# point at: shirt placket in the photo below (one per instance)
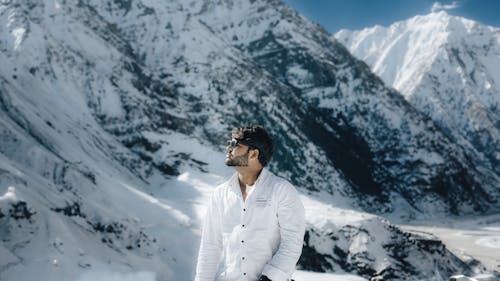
(244, 215)
(243, 234)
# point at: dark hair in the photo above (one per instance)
(256, 137)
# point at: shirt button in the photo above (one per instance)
(244, 210)
(242, 225)
(243, 258)
(244, 273)
(242, 241)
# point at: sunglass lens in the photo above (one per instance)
(233, 143)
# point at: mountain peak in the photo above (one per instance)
(445, 65)
(450, 23)
(438, 14)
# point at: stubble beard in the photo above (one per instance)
(238, 161)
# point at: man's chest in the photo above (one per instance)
(257, 212)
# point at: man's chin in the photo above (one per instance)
(232, 163)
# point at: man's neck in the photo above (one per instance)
(245, 178)
(248, 177)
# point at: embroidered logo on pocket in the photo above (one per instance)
(262, 201)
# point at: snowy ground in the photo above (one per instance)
(300, 275)
(149, 276)
(164, 207)
(477, 237)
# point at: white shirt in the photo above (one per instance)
(262, 235)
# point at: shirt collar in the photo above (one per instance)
(264, 174)
(262, 177)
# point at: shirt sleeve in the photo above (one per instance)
(211, 243)
(291, 219)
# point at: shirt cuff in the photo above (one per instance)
(274, 274)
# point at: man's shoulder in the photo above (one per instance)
(283, 190)
(280, 183)
(224, 186)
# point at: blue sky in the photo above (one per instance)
(357, 14)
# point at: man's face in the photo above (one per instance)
(236, 154)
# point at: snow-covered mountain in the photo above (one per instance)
(447, 67)
(114, 116)
(365, 138)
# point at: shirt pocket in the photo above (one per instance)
(262, 202)
(264, 215)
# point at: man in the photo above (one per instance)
(254, 225)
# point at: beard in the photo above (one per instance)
(238, 161)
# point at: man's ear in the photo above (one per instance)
(254, 154)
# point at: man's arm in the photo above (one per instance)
(291, 219)
(211, 243)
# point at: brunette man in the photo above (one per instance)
(254, 225)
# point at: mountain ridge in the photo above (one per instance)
(447, 73)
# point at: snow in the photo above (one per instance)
(429, 157)
(299, 77)
(110, 102)
(462, 278)
(177, 215)
(445, 66)
(117, 276)
(476, 236)
(301, 275)
(19, 34)
(320, 212)
(489, 242)
(10, 195)
(7, 256)
(398, 53)
(492, 65)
